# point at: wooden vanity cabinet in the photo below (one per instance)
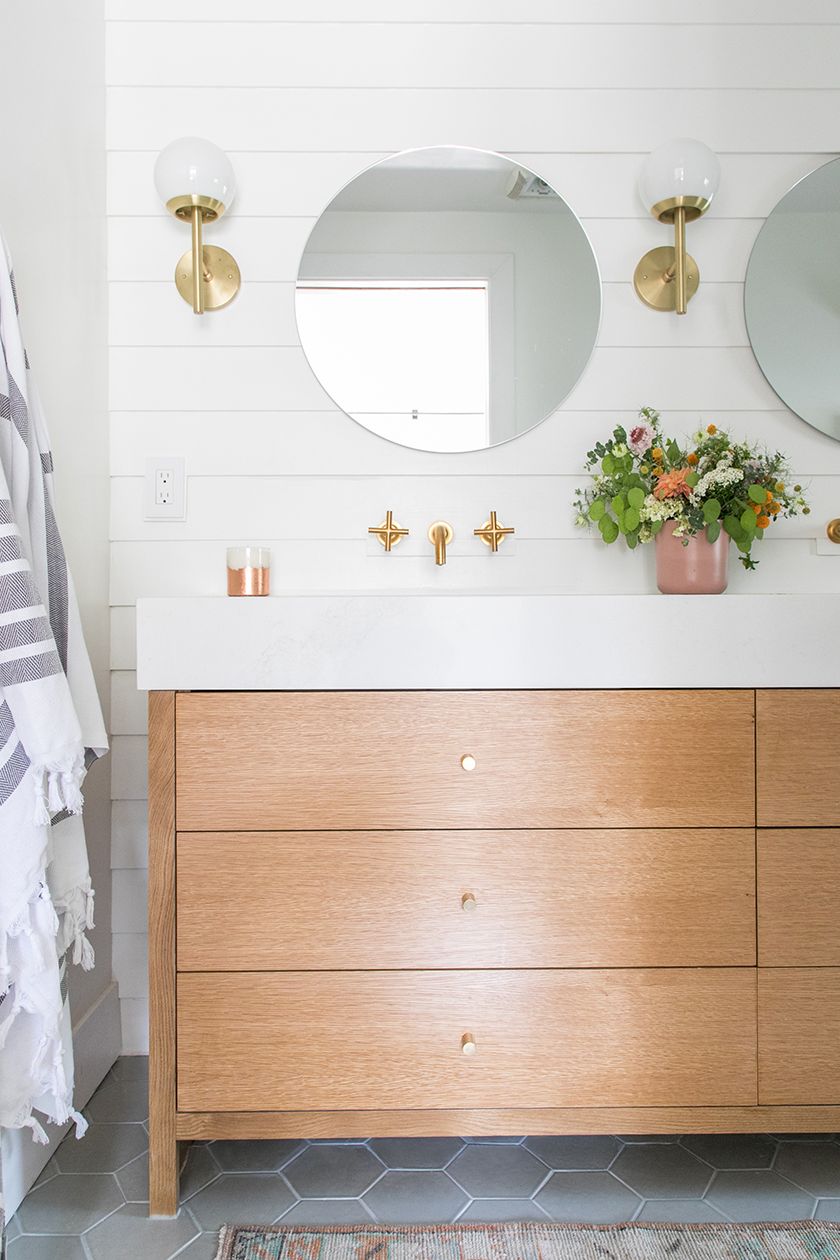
(423, 913)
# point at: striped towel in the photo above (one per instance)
(51, 728)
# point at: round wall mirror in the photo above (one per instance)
(448, 299)
(792, 299)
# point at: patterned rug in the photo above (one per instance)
(789, 1240)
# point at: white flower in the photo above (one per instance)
(654, 509)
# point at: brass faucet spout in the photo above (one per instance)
(440, 535)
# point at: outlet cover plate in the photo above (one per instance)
(176, 509)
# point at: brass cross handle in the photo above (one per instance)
(492, 533)
(832, 530)
(388, 533)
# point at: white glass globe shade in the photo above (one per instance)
(192, 166)
(680, 168)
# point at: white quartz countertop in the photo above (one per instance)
(335, 642)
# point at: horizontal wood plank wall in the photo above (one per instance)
(304, 96)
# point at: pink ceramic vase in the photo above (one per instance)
(701, 568)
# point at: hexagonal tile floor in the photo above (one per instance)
(91, 1201)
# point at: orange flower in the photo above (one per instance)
(711, 428)
(768, 496)
(656, 454)
(673, 483)
(756, 509)
(774, 508)
(763, 522)
(691, 459)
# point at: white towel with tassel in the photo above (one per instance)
(51, 728)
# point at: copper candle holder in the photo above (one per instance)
(248, 570)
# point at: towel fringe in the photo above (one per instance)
(58, 788)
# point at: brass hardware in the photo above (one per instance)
(212, 285)
(468, 902)
(388, 533)
(667, 278)
(468, 762)
(468, 1044)
(200, 175)
(492, 533)
(832, 530)
(440, 535)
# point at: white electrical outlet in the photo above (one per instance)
(165, 490)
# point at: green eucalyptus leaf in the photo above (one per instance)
(618, 505)
(674, 452)
(597, 509)
(631, 520)
(655, 527)
(632, 540)
(635, 497)
(711, 510)
(730, 524)
(608, 465)
(609, 529)
(748, 521)
(757, 493)
(691, 479)
(713, 531)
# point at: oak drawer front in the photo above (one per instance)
(353, 1040)
(798, 741)
(309, 760)
(798, 896)
(799, 1035)
(389, 899)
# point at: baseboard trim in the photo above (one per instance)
(97, 1045)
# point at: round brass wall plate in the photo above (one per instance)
(221, 277)
(652, 285)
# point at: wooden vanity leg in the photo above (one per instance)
(163, 1146)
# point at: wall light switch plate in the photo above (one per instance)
(165, 489)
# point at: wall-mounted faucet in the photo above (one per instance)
(440, 535)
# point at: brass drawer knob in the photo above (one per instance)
(468, 1044)
(468, 762)
(468, 901)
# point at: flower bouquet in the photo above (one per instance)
(694, 498)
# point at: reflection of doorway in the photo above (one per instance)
(407, 358)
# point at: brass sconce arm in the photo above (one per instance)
(492, 533)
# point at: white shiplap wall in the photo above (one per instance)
(306, 93)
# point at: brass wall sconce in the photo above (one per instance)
(832, 530)
(677, 185)
(195, 181)
(388, 533)
(492, 533)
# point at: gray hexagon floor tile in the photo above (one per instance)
(119, 1101)
(574, 1153)
(758, 1196)
(333, 1171)
(198, 1169)
(255, 1156)
(406, 1198)
(70, 1205)
(828, 1210)
(814, 1166)
(253, 1198)
(130, 1232)
(131, 1067)
(204, 1247)
(492, 1210)
(416, 1152)
(660, 1171)
(678, 1211)
(12, 1229)
(733, 1150)
(104, 1148)
(63, 1247)
(497, 1172)
(328, 1212)
(595, 1197)
(134, 1180)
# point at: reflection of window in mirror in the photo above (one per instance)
(430, 338)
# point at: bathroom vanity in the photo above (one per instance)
(511, 888)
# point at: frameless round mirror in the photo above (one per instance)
(448, 299)
(792, 299)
